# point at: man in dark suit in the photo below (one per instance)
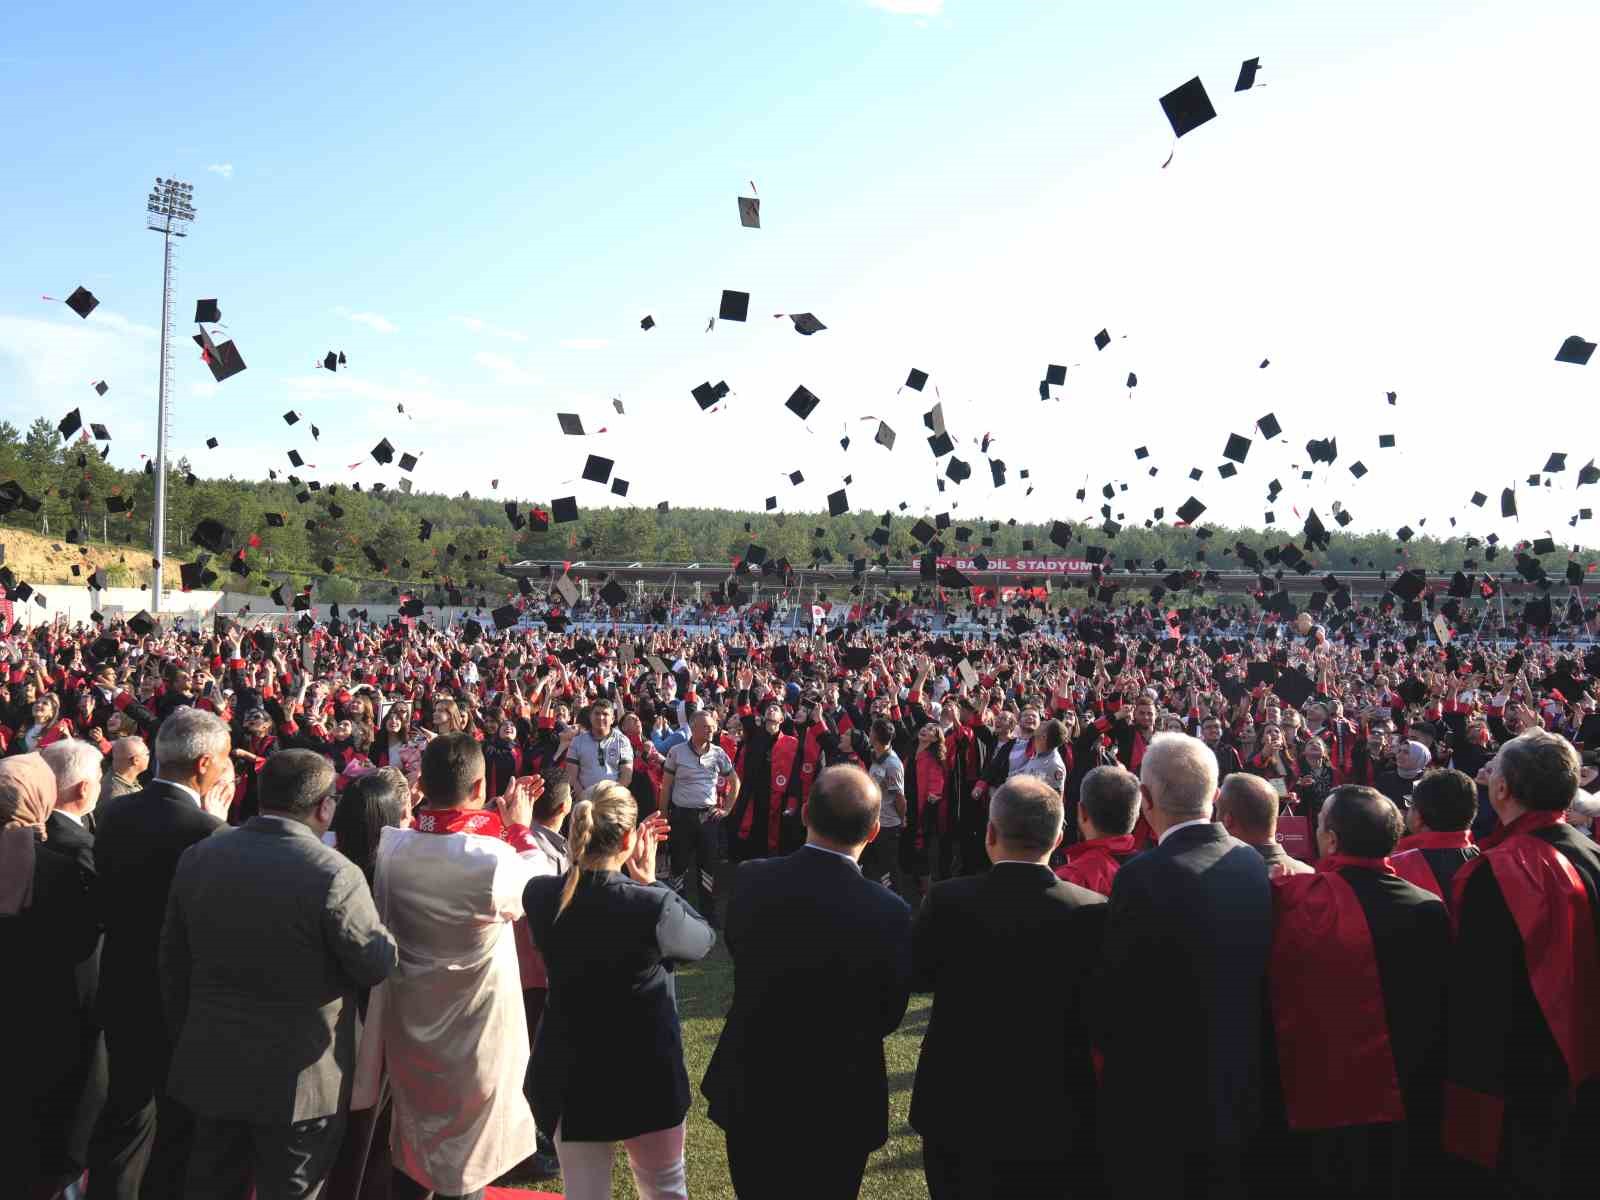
(143, 1137)
(1008, 1125)
(269, 937)
(822, 973)
(76, 767)
(1180, 1000)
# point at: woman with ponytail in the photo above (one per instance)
(611, 936)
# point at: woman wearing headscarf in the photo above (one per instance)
(48, 936)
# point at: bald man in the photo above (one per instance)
(822, 974)
(130, 758)
(1247, 807)
(1186, 943)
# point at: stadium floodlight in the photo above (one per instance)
(169, 211)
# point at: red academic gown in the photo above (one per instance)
(1522, 1093)
(1356, 981)
(1430, 860)
(1093, 864)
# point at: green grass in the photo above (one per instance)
(705, 992)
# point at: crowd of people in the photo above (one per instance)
(1205, 908)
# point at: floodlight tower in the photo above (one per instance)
(169, 211)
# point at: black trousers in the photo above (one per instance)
(1138, 1173)
(142, 1141)
(880, 862)
(695, 848)
(764, 1167)
(285, 1162)
(953, 1172)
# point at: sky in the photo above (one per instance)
(479, 204)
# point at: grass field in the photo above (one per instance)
(705, 991)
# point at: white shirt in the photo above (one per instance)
(1182, 825)
(71, 816)
(187, 791)
(836, 853)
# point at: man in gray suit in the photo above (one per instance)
(269, 937)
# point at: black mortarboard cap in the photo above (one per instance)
(1269, 427)
(885, 437)
(1556, 462)
(1190, 511)
(383, 452)
(796, 478)
(1227, 470)
(1187, 107)
(806, 323)
(564, 509)
(1293, 685)
(613, 593)
(1544, 545)
(750, 212)
(1479, 499)
(1247, 78)
(648, 323)
(211, 535)
(1385, 441)
(597, 469)
(141, 624)
(1237, 449)
(295, 460)
(1409, 584)
(916, 379)
(223, 358)
(1102, 340)
(1323, 450)
(705, 395)
(70, 424)
(951, 578)
(571, 424)
(1508, 502)
(1405, 533)
(619, 486)
(1574, 350)
(291, 417)
(735, 306)
(506, 616)
(838, 503)
(83, 303)
(101, 387)
(957, 469)
(940, 444)
(1055, 374)
(206, 312)
(997, 471)
(1358, 469)
(1060, 533)
(801, 403)
(408, 462)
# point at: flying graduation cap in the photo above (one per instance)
(223, 359)
(735, 306)
(1574, 350)
(83, 303)
(1187, 107)
(206, 312)
(1247, 74)
(750, 212)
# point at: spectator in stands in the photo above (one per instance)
(130, 759)
(48, 933)
(609, 943)
(144, 1137)
(1247, 807)
(979, 943)
(822, 975)
(261, 988)
(1108, 807)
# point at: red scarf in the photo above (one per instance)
(1450, 839)
(482, 821)
(1335, 861)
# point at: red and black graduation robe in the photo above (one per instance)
(1522, 1095)
(1430, 860)
(769, 785)
(1356, 982)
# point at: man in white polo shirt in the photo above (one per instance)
(689, 781)
(600, 752)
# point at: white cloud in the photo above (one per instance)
(204, 389)
(223, 169)
(505, 369)
(584, 343)
(487, 329)
(909, 8)
(374, 321)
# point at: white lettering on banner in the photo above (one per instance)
(1042, 566)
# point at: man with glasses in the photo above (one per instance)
(600, 752)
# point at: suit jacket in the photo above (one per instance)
(138, 840)
(612, 1012)
(269, 937)
(822, 974)
(70, 838)
(979, 943)
(1179, 1002)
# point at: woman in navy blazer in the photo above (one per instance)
(610, 942)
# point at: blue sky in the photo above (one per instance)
(478, 206)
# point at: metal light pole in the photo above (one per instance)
(169, 212)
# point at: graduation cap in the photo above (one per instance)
(1187, 107)
(211, 535)
(1323, 450)
(1556, 462)
(750, 212)
(735, 306)
(1479, 499)
(1358, 469)
(564, 509)
(916, 379)
(647, 323)
(1102, 340)
(1544, 545)
(613, 593)
(407, 462)
(1385, 441)
(505, 617)
(957, 470)
(141, 624)
(295, 460)
(1190, 511)
(705, 395)
(101, 387)
(951, 578)
(838, 503)
(1269, 427)
(1060, 533)
(1294, 686)
(206, 312)
(1237, 449)
(619, 486)
(885, 437)
(1227, 470)
(797, 478)
(597, 469)
(941, 444)
(223, 358)
(1408, 585)
(211, 443)
(330, 361)
(1196, 473)
(1247, 80)
(83, 303)
(806, 323)
(997, 471)
(801, 403)
(572, 424)
(1508, 502)
(70, 424)
(1574, 350)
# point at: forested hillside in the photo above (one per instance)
(359, 544)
